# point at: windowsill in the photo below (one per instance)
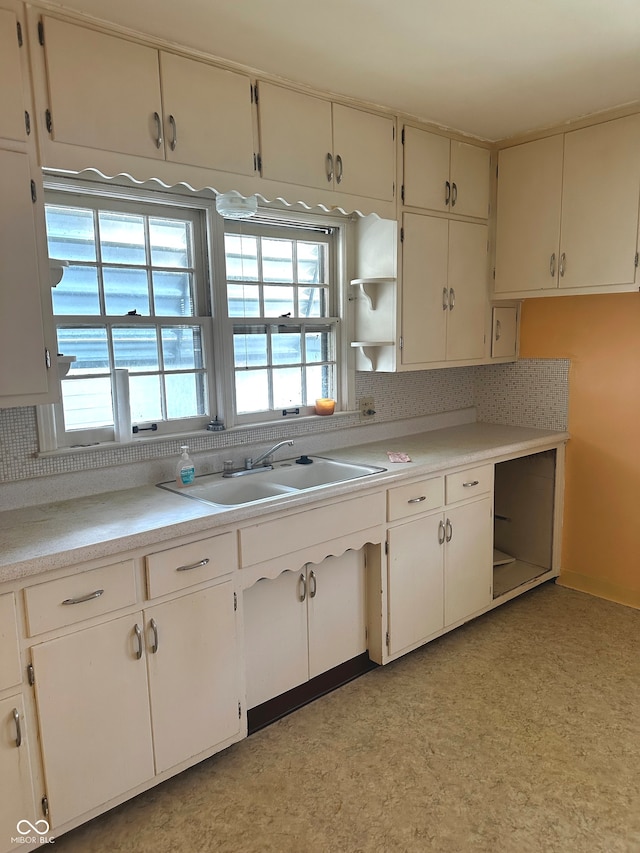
(183, 437)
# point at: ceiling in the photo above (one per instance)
(489, 68)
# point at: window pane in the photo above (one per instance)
(319, 383)
(185, 395)
(286, 348)
(287, 387)
(317, 344)
(70, 233)
(182, 347)
(277, 260)
(252, 391)
(87, 402)
(136, 348)
(243, 300)
(122, 238)
(125, 290)
(172, 294)
(78, 292)
(278, 301)
(250, 349)
(145, 397)
(241, 256)
(171, 241)
(88, 344)
(311, 263)
(312, 302)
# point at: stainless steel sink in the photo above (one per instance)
(284, 479)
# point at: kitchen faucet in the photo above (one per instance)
(252, 466)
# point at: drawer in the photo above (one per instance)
(56, 604)
(415, 498)
(186, 565)
(10, 670)
(469, 483)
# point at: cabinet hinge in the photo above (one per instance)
(636, 260)
(494, 273)
(47, 358)
(402, 235)
(19, 29)
(31, 675)
(41, 33)
(388, 641)
(45, 805)
(366, 632)
(403, 135)
(34, 192)
(259, 163)
(251, 92)
(386, 547)
(48, 121)
(235, 601)
(27, 123)
(401, 342)
(402, 193)
(393, 190)
(496, 170)
(393, 132)
(255, 93)
(239, 711)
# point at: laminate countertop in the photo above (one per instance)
(55, 535)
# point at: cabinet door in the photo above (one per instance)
(364, 153)
(295, 137)
(207, 115)
(103, 90)
(426, 169)
(467, 290)
(424, 288)
(528, 216)
(600, 204)
(93, 706)
(12, 117)
(504, 333)
(275, 635)
(10, 670)
(469, 179)
(416, 585)
(16, 802)
(193, 673)
(337, 611)
(468, 560)
(23, 370)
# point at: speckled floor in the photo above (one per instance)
(518, 733)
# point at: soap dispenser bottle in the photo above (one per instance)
(185, 469)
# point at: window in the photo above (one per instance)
(282, 313)
(135, 306)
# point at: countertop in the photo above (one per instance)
(56, 535)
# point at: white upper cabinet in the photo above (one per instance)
(207, 115)
(445, 175)
(104, 91)
(309, 141)
(12, 114)
(568, 212)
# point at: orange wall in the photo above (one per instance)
(601, 336)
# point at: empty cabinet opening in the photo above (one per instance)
(523, 520)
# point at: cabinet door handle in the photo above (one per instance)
(441, 532)
(303, 586)
(16, 720)
(158, 122)
(417, 500)
(174, 133)
(313, 584)
(88, 597)
(154, 629)
(138, 633)
(470, 483)
(445, 298)
(552, 265)
(563, 259)
(447, 192)
(191, 566)
(448, 531)
(454, 194)
(329, 166)
(339, 169)
(452, 299)
(498, 330)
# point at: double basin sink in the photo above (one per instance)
(285, 478)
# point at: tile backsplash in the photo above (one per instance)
(530, 392)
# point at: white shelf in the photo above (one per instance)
(514, 574)
(373, 344)
(368, 287)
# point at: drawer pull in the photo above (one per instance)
(417, 500)
(16, 720)
(154, 628)
(470, 483)
(198, 565)
(89, 597)
(138, 633)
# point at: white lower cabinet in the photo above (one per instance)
(303, 623)
(468, 560)
(17, 801)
